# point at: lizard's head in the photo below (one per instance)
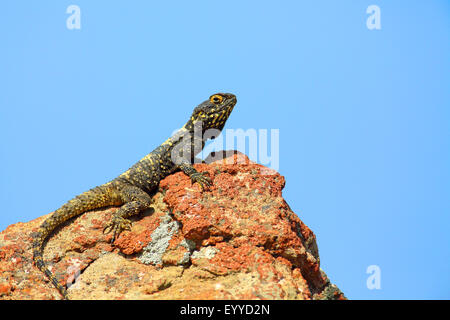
(214, 112)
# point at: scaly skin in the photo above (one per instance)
(132, 190)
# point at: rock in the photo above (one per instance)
(240, 240)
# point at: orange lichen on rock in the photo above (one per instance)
(238, 240)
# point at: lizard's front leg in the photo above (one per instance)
(199, 177)
(136, 201)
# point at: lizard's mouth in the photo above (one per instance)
(230, 104)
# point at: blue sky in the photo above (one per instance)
(363, 115)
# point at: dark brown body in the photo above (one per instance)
(133, 189)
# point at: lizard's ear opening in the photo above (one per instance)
(198, 114)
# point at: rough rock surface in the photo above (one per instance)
(240, 240)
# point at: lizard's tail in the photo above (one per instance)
(95, 198)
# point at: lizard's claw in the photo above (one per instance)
(203, 180)
(117, 225)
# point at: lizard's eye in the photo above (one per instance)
(216, 99)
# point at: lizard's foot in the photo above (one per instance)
(203, 180)
(117, 225)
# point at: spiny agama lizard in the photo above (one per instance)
(132, 190)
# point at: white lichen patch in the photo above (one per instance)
(153, 252)
(205, 253)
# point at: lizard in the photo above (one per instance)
(132, 190)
